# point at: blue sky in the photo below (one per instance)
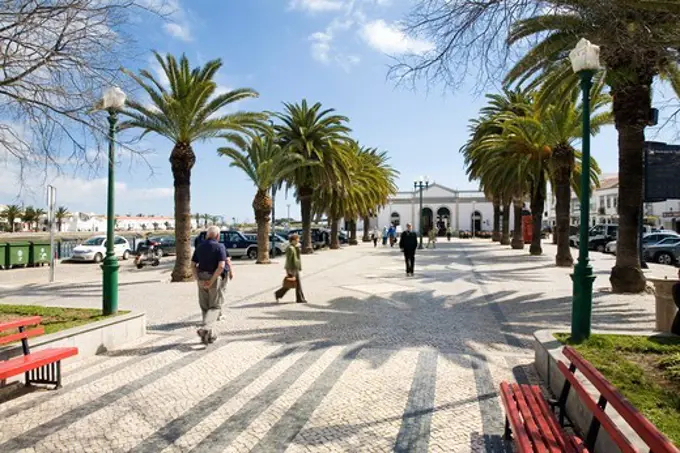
(331, 51)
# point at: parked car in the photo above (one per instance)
(666, 251)
(610, 247)
(94, 249)
(237, 244)
(656, 237)
(600, 235)
(165, 245)
(280, 243)
(318, 239)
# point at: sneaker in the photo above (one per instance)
(211, 338)
(202, 333)
(220, 317)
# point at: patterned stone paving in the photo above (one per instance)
(375, 362)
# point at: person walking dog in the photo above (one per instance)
(293, 268)
(209, 266)
(408, 244)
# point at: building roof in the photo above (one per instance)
(610, 182)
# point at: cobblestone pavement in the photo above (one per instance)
(375, 362)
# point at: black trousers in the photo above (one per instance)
(410, 258)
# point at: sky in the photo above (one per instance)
(336, 52)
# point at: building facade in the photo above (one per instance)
(443, 207)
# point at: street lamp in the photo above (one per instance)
(112, 101)
(585, 61)
(420, 184)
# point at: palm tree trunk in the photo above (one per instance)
(352, 224)
(631, 106)
(564, 162)
(537, 207)
(505, 235)
(367, 236)
(305, 195)
(335, 241)
(182, 160)
(517, 238)
(262, 206)
(496, 235)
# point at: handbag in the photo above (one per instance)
(289, 282)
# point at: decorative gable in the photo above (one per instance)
(438, 191)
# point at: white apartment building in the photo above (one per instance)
(80, 221)
(604, 203)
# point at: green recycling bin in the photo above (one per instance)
(17, 253)
(3, 255)
(40, 253)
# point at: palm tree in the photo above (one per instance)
(318, 136)
(28, 216)
(185, 111)
(60, 215)
(639, 43)
(266, 165)
(198, 220)
(206, 218)
(11, 213)
(39, 212)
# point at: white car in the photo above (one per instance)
(94, 249)
(610, 247)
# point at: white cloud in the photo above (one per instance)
(317, 5)
(321, 46)
(389, 39)
(178, 31)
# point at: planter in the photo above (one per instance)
(665, 307)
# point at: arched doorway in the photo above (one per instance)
(395, 219)
(443, 220)
(476, 221)
(427, 220)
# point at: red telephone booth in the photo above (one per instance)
(527, 228)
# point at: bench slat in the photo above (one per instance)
(616, 435)
(21, 364)
(655, 440)
(541, 417)
(529, 422)
(564, 441)
(21, 335)
(512, 412)
(20, 322)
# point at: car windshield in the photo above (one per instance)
(94, 241)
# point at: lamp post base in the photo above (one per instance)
(110, 285)
(582, 304)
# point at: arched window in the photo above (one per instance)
(395, 219)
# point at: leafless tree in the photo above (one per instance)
(56, 57)
(468, 37)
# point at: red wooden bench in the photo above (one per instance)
(534, 426)
(42, 367)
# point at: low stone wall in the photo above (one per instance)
(547, 352)
(90, 339)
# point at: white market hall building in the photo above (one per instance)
(465, 210)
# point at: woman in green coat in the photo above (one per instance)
(293, 268)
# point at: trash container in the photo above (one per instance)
(17, 253)
(3, 255)
(40, 253)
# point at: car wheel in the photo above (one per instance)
(126, 255)
(252, 253)
(600, 248)
(664, 258)
(98, 258)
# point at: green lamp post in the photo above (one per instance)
(420, 184)
(113, 101)
(585, 61)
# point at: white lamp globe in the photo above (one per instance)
(114, 98)
(585, 56)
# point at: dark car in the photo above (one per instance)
(165, 245)
(318, 238)
(237, 244)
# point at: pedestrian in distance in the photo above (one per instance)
(293, 268)
(431, 238)
(392, 233)
(375, 235)
(384, 236)
(408, 245)
(209, 266)
(449, 233)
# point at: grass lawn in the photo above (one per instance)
(646, 370)
(54, 319)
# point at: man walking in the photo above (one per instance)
(408, 244)
(210, 270)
